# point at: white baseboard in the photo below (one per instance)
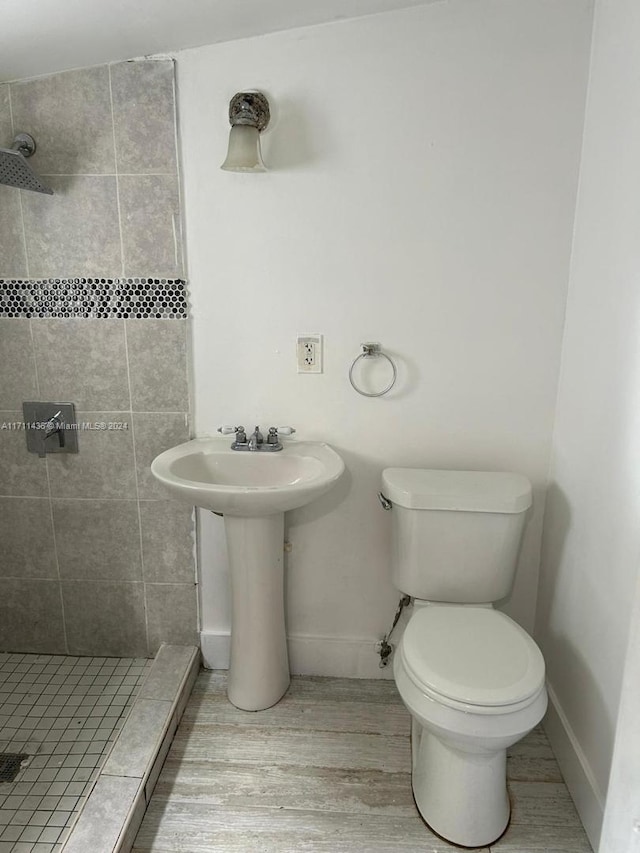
(215, 648)
(575, 768)
(345, 657)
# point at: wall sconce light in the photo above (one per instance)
(248, 117)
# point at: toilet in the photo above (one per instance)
(471, 678)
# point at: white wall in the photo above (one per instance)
(621, 828)
(592, 531)
(424, 170)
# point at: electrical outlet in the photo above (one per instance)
(309, 353)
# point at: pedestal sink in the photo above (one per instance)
(252, 490)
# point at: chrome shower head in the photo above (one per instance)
(14, 169)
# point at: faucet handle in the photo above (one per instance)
(54, 426)
(273, 438)
(230, 430)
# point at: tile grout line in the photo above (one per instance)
(118, 581)
(57, 559)
(35, 360)
(50, 501)
(135, 472)
(24, 230)
(117, 176)
(67, 498)
(106, 174)
(179, 237)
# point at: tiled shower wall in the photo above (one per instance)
(93, 559)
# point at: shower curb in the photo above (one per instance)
(112, 815)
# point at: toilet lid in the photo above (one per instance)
(472, 655)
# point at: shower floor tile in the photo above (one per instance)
(64, 713)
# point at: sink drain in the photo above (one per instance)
(10, 764)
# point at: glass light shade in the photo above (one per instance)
(244, 150)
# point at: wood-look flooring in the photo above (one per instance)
(327, 770)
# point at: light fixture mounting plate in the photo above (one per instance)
(250, 108)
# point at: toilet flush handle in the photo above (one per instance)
(386, 503)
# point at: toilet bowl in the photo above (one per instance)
(473, 682)
(472, 679)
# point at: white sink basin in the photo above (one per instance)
(205, 472)
(253, 490)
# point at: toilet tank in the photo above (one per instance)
(455, 534)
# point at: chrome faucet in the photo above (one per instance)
(255, 440)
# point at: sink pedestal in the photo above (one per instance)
(259, 668)
(252, 490)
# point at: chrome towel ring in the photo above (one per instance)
(372, 351)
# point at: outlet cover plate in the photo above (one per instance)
(309, 353)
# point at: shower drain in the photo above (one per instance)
(10, 765)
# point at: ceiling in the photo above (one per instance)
(45, 36)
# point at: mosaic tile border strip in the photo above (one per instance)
(97, 298)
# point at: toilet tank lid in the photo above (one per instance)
(466, 491)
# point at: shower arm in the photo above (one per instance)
(24, 144)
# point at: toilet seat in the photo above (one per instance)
(471, 658)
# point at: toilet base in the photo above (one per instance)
(462, 795)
